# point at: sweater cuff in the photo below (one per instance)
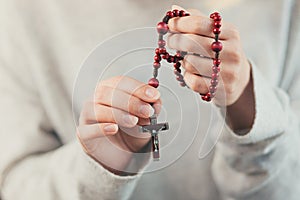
(270, 119)
(95, 179)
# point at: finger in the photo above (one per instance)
(201, 25)
(197, 65)
(104, 114)
(157, 106)
(92, 131)
(197, 83)
(124, 101)
(191, 43)
(201, 45)
(133, 87)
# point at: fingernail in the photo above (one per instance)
(146, 110)
(152, 93)
(111, 128)
(130, 120)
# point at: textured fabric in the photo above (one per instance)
(42, 45)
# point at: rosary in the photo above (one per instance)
(161, 53)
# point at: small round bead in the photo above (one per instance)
(177, 72)
(162, 28)
(214, 14)
(178, 56)
(217, 24)
(214, 76)
(176, 13)
(217, 18)
(157, 58)
(162, 50)
(217, 62)
(170, 14)
(177, 65)
(176, 59)
(206, 97)
(165, 56)
(179, 78)
(170, 59)
(161, 43)
(157, 51)
(215, 69)
(153, 82)
(214, 82)
(212, 89)
(216, 46)
(182, 84)
(181, 13)
(216, 30)
(156, 65)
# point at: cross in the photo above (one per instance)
(154, 129)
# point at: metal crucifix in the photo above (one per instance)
(154, 128)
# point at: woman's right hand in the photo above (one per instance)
(108, 125)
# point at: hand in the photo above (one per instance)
(108, 128)
(194, 34)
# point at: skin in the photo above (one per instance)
(109, 121)
(108, 125)
(235, 90)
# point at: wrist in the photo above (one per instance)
(240, 115)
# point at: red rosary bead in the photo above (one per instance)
(217, 24)
(217, 62)
(215, 69)
(165, 56)
(157, 58)
(170, 14)
(214, 82)
(216, 31)
(176, 13)
(153, 82)
(177, 65)
(217, 18)
(161, 43)
(157, 51)
(216, 46)
(214, 76)
(181, 13)
(156, 65)
(214, 14)
(162, 50)
(162, 28)
(206, 97)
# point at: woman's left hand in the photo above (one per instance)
(194, 34)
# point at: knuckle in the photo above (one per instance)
(230, 88)
(232, 75)
(83, 118)
(235, 56)
(235, 34)
(101, 92)
(195, 85)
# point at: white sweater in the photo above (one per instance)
(42, 46)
